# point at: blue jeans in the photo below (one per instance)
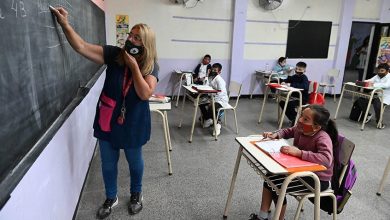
(110, 156)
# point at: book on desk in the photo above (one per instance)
(204, 88)
(159, 98)
(291, 163)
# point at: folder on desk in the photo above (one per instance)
(291, 163)
(204, 88)
(274, 85)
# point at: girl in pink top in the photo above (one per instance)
(314, 138)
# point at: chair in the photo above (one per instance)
(345, 153)
(314, 96)
(187, 78)
(330, 80)
(234, 88)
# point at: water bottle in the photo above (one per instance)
(266, 67)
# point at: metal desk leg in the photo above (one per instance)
(182, 109)
(166, 141)
(214, 118)
(384, 177)
(367, 110)
(284, 109)
(264, 101)
(232, 182)
(194, 119)
(299, 108)
(283, 189)
(168, 132)
(178, 92)
(338, 105)
(381, 116)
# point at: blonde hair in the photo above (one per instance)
(149, 56)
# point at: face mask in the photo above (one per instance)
(305, 127)
(133, 49)
(213, 73)
(298, 73)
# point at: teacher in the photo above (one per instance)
(122, 119)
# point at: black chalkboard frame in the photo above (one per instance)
(28, 58)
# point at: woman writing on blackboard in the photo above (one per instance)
(122, 118)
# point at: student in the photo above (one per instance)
(298, 80)
(122, 118)
(314, 138)
(381, 80)
(218, 83)
(282, 68)
(202, 70)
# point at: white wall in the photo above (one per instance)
(368, 10)
(51, 187)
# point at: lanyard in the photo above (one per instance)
(125, 89)
(126, 83)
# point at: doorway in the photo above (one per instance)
(358, 51)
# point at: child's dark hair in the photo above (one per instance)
(207, 56)
(281, 59)
(321, 117)
(383, 66)
(217, 65)
(301, 64)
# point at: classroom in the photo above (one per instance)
(193, 161)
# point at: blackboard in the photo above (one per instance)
(308, 39)
(40, 74)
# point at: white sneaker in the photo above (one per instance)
(217, 129)
(207, 123)
(368, 119)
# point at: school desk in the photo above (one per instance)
(190, 93)
(161, 109)
(365, 92)
(263, 165)
(283, 93)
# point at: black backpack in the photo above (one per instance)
(358, 109)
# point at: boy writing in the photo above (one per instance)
(381, 80)
(298, 80)
(221, 98)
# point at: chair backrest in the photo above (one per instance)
(332, 75)
(235, 89)
(344, 154)
(313, 86)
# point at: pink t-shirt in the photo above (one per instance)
(317, 149)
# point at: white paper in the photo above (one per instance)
(272, 146)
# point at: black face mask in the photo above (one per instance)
(213, 74)
(299, 73)
(133, 49)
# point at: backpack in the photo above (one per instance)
(341, 191)
(358, 109)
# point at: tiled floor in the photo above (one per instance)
(202, 170)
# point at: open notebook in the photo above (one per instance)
(291, 163)
(204, 88)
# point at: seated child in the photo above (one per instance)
(381, 80)
(202, 70)
(298, 80)
(314, 138)
(282, 68)
(218, 83)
